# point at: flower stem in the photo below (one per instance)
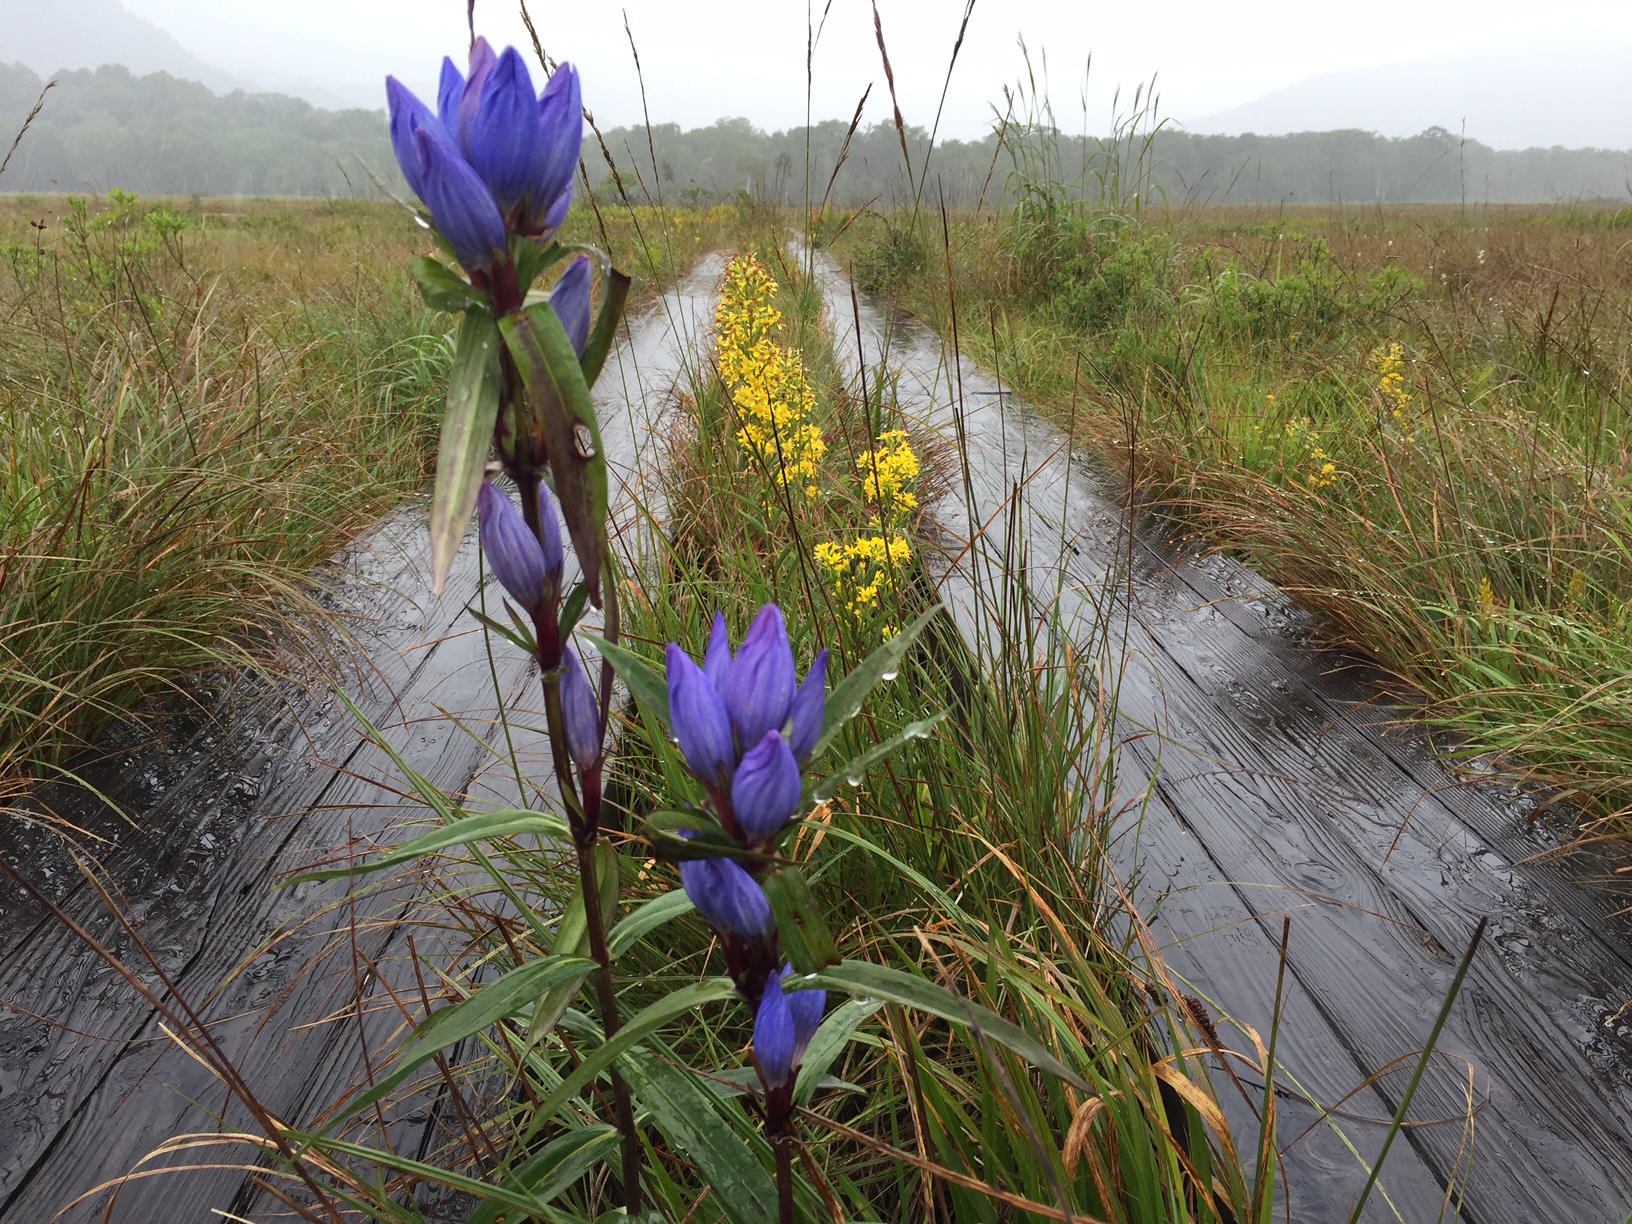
(783, 1145)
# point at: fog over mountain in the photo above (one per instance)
(1512, 95)
(53, 35)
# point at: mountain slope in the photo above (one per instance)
(66, 34)
(1537, 94)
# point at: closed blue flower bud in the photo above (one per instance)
(582, 712)
(699, 718)
(728, 897)
(503, 143)
(807, 1007)
(513, 552)
(556, 215)
(717, 659)
(460, 202)
(760, 687)
(450, 90)
(808, 710)
(561, 137)
(549, 522)
(570, 300)
(482, 62)
(765, 791)
(408, 115)
(775, 1037)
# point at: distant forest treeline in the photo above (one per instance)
(160, 136)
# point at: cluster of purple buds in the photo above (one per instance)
(494, 158)
(747, 727)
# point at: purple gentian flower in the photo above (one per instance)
(808, 711)
(570, 300)
(581, 711)
(783, 1027)
(700, 721)
(728, 897)
(765, 791)
(561, 125)
(503, 139)
(460, 202)
(758, 689)
(512, 550)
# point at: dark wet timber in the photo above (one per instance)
(1273, 783)
(220, 819)
(1279, 784)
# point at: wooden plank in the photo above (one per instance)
(86, 1108)
(1285, 798)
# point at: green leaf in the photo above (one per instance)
(443, 288)
(467, 435)
(572, 609)
(450, 1025)
(554, 1169)
(647, 684)
(687, 1114)
(527, 645)
(559, 399)
(805, 937)
(614, 295)
(535, 1209)
(744, 1081)
(865, 980)
(831, 1037)
(857, 769)
(707, 840)
(642, 1024)
(643, 921)
(571, 939)
(488, 826)
(844, 702)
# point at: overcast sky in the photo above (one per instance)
(712, 58)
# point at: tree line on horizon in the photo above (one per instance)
(158, 135)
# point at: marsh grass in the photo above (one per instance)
(200, 401)
(1471, 536)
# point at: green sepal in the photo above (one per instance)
(614, 296)
(517, 634)
(572, 609)
(864, 980)
(832, 1036)
(647, 684)
(857, 769)
(805, 937)
(467, 435)
(844, 702)
(559, 399)
(531, 258)
(443, 288)
(708, 840)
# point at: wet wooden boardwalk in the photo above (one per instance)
(1278, 785)
(1274, 785)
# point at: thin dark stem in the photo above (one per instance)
(784, 1178)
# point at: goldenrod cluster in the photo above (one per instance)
(767, 382)
(1486, 599)
(1390, 366)
(1323, 472)
(889, 477)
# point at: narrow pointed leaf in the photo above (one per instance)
(559, 398)
(857, 769)
(646, 919)
(865, 980)
(467, 434)
(805, 937)
(828, 1044)
(645, 1022)
(614, 295)
(486, 827)
(845, 700)
(492, 1003)
(644, 681)
(443, 288)
(528, 645)
(687, 1115)
(572, 609)
(561, 1163)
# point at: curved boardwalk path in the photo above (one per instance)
(1261, 781)
(219, 820)
(1276, 786)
